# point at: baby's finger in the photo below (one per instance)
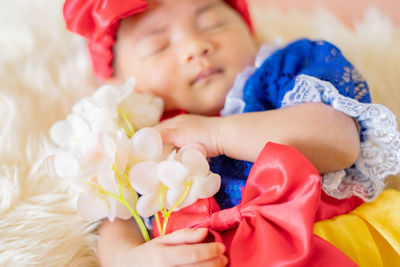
(215, 262)
(194, 253)
(183, 236)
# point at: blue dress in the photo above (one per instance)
(313, 71)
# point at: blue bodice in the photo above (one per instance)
(266, 88)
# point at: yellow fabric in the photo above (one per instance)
(370, 234)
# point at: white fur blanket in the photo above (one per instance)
(44, 70)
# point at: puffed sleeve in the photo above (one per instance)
(316, 71)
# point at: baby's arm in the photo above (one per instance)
(327, 137)
(121, 244)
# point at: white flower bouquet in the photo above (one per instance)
(109, 153)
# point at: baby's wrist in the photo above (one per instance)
(219, 130)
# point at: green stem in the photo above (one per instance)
(188, 185)
(164, 228)
(120, 186)
(102, 190)
(158, 223)
(161, 199)
(168, 213)
(138, 220)
(134, 213)
(130, 131)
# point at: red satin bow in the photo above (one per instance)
(273, 224)
(98, 20)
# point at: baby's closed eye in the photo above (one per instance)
(155, 45)
(211, 19)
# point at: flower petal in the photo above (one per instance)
(62, 133)
(80, 127)
(91, 207)
(195, 162)
(206, 187)
(121, 159)
(147, 144)
(87, 109)
(189, 200)
(123, 141)
(143, 177)
(102, 122)
(127, 89)
(106, 178)
(174, 195)
(89, 144)
(172, 173)
(79, 185)
(66, 165)
(107, 145)
(147, 205)
(144, 110)
(120, 210)
(107, 98)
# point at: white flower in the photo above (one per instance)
(105, 100)
(69, 133)
(147, 151)
(94, 205)
(93, 170)
(170, 179)
(189, 167)
(104, 112)
(143, 110)
(101, 110)
(147, 145)
(144, 179)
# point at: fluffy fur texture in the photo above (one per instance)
(44, 70)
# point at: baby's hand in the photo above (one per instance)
(188, 129)
(180, 248)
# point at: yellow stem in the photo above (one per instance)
(102, 190)
(161, 197)
(168, 213)
(158, 223)
(122, 200)
(188, 185)
(164, 228)
(130, 131)
(138, 220)
(120, 186)
(125, 182)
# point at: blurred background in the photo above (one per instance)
(346, 10)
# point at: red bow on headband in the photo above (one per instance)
(98, 20)
(273, 224)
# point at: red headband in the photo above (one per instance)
(97, 21)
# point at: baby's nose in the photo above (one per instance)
(197, 49)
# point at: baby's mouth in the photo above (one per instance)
(206, 74)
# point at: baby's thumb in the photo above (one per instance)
(184, 236)
(169, 135)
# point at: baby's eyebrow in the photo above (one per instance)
(198, 12)
(205, 8)
(155, 31)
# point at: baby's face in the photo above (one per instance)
(186, 51)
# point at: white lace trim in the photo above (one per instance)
(234, 103)
(380, 146)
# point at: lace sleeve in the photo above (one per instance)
(380, 140)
